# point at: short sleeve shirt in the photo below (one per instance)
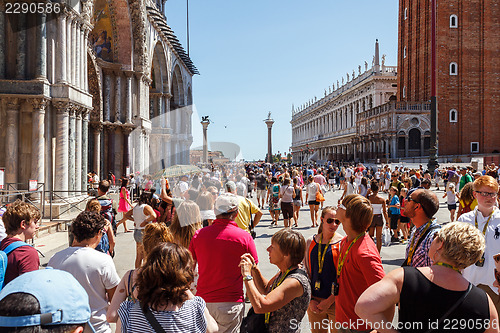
(22, 260)
(218, 249)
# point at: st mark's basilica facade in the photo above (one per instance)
(91, 85)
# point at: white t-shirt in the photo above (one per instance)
(484, 275)
(96, 272)
(348, 173)
(286, 192)
(312, 188)
(3, 234)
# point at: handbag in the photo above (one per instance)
(386, 237)
(319, 196)
(254, 323)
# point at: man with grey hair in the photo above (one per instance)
(217, 249)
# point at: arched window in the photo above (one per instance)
(453, 116)
(414, 138)
(404, 92)
(404, 52)
(453, 21)
(453, 68)
(406, 13)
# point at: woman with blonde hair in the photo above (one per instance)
(426, 294)
(205, 202)
(186, 221)
(154, 234)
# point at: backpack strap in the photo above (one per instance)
(12, 246)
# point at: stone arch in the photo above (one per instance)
(123, 29)
(177, 89)
(95, 87)
(159, 73)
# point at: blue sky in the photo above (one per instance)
(260, 56)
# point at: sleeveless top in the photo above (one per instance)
(139, 216)
(123, 205)
(423, 301)
(279, 321)
(377, 209)
(329, 274)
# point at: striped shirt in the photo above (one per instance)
(189, 318)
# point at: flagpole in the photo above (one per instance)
(187, 25)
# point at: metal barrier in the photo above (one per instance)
(11, 194)
(73, 201)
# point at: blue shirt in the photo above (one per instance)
(421, 255)
(394, 210)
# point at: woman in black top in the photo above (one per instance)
(427, 294)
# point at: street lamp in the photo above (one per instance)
(433, 163)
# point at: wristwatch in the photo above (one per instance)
(247, 278)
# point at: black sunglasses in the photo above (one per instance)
(330, 221)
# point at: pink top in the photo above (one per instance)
(123, 205)
(218, 249)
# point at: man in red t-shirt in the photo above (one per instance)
(21, 223)
(218, 249)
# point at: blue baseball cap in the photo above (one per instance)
(63, 301)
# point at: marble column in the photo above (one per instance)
(107, 97)
(2, 42)
(38, 143)
(21, 47)
(118, 97)
(74, 56)
(85, 148)
(61, 176)
(126, 148)
(83, 52)
(407, 143)
(422, 145)
(12, 141)
(85, 62)
(61, 49)
(128, 98)
(41, 46)
(78, 152)
(69, 49)
(77, 55)
(159, 113)
(110, 132)
(394, 148)
(96, 159)
(72, 147)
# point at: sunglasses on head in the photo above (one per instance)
(330, 221)
(497, 276)
(496, 257)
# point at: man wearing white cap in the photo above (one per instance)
(218, 249)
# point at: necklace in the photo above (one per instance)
(439, 263)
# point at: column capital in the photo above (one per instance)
(97, 126)
(128, 74)
(167, 95)
(61, 106)
(13, 104)
(39, 104)
(126, 129)
(145, 78)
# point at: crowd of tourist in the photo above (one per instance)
(196, 260)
